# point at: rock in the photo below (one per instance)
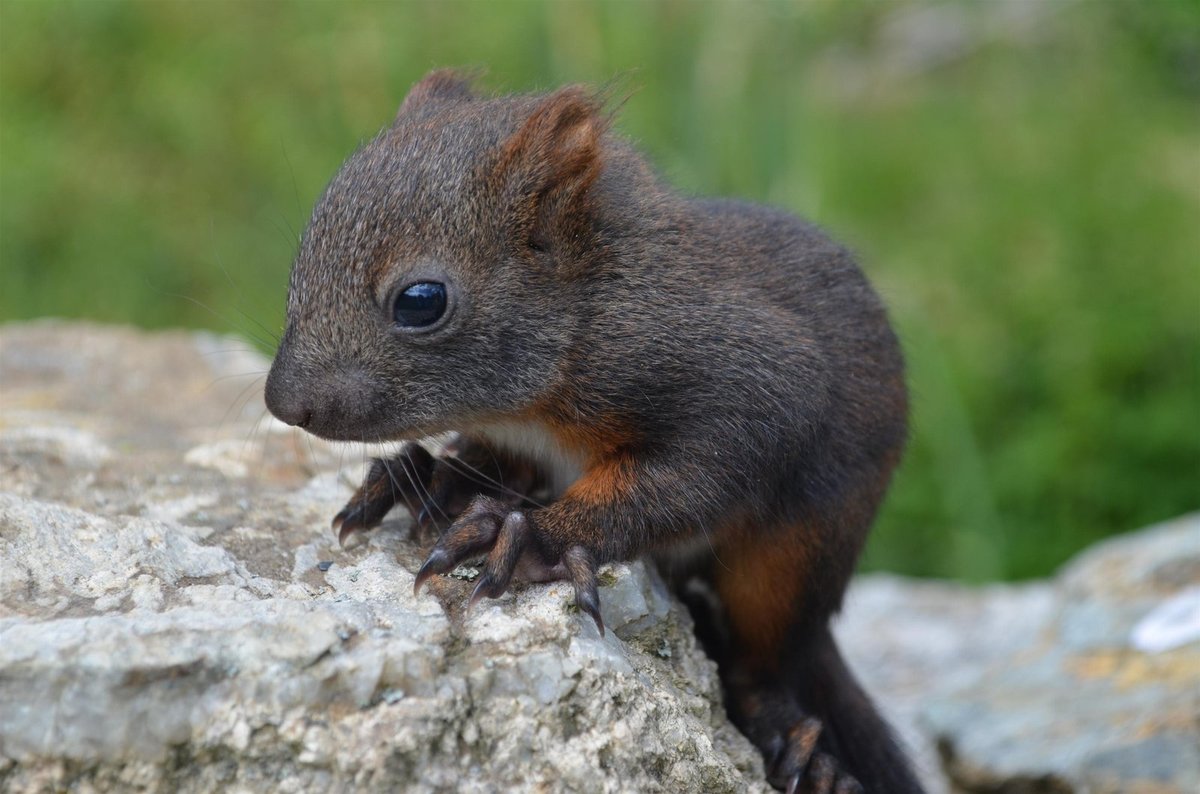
(1083, 707)
(1088, 683)
(914, 642)
(175, 615)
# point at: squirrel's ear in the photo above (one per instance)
(551, 161)
(558, 144)
(440, 85)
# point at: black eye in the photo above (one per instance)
(420, 304)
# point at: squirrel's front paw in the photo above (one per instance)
(489, 527)
(388, 483)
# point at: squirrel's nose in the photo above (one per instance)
(288, 411)
(285, 401)
(298, 418)
(334, 402)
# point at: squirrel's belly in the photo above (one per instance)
(533, 441)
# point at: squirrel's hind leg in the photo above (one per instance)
(818, 731)
(743, 608)
(786, 685)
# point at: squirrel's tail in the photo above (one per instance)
(853, 731)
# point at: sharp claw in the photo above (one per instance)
(773, 751)
(599, 620)
(435, 563)
(581, 567)
(794, 784)
(588, 600)
(422, 576)
(481, 591)
(338, 520)
(439, 561)
(349, 535)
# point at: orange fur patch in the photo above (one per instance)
(604, 481)
(604, 448)
(761, 582)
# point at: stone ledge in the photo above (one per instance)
(168, 622)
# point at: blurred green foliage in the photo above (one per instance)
(1021, 179)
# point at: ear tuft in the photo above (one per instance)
(439, 86)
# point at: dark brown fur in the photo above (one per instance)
(722, 372)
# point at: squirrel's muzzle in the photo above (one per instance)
(337, 403)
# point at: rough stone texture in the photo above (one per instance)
(165, 623)
(175, 616)
(1084, 705)
(1049, 686)
(914, 643)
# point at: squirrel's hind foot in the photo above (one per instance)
(790, 741)
(800, 768)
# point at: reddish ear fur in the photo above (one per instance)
(552, 160)
(558, 146)
(440, 85)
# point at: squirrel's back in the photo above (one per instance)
(744, 318)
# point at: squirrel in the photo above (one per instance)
(630, 373)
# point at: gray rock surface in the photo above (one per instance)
(915, 643)
(1092, 702)
(165, 623)
(1089, 683)
(175, 616)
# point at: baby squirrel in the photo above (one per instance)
(631, 372)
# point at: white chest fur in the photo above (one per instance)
(532, 440)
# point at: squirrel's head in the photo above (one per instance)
(433, 284)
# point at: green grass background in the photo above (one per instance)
(1022, 180)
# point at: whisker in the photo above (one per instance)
(286, 232)
(248, 440)
(217, 255)
(452, 461)
(270, 334)
(227, 350)
(225, 319)
(292, 171)
(417, 484)
(341, 465)
(407, 504)
(400, 490)
(265, 440)
(257, 374)
(240, 401)
(363, 491)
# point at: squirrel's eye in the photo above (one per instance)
(420, 304)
